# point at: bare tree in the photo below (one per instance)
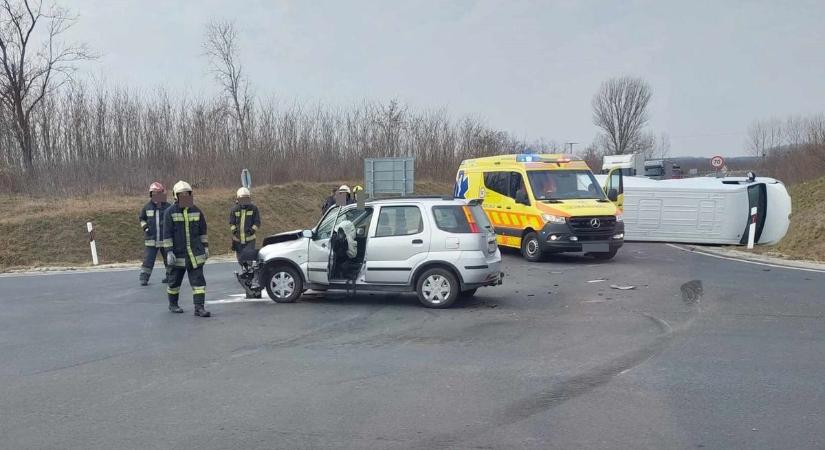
(28, 74)
(764, 136)
(221, 46)
(620, 110)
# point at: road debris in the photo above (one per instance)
(622, 288)
(597, 281)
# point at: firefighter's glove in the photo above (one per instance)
(206, 252)
(170, 259)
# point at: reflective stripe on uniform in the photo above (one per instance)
(204, 239)
(232, 227)
(150, 213)
(149, 243)
(173, 291)
(200, 259)
(188, 237)
(199, 290)
(180, 262)
(177, 217)
(250, 212)
(166, 243)
(243, 228)
(194, 217)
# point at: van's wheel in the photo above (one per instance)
(531, 247)
(283, 284)
(468, 293)
(604, 256)
(437, 288)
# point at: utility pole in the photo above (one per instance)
(570, 145)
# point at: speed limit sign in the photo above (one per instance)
(717, 162)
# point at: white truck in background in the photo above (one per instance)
(632, 165)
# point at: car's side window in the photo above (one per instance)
(324, 229)
(399, 221)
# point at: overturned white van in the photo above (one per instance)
(705, 210)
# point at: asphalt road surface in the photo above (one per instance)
(703, 353)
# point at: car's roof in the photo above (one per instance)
(417, 200)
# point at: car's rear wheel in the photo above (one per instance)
(283, 284)
(531, 247)
(437, 288)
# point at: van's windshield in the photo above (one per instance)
(551, 185)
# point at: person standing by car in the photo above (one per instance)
(244, 221)
(329, 202)
(151, 221)
(185, 238)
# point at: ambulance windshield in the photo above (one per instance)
(564, 185)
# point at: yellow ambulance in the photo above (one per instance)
(542, 203)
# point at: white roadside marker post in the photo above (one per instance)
(752, 228)
(91, 231)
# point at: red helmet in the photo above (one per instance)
(156, 187)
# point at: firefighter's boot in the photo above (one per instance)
(173, 307)
(144, 278)
(200, 311)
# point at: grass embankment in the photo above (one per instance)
(52, 232)
(806, 235)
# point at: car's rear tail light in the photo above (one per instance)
(471, 220)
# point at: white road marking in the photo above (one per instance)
(238, 298)
(747, 261)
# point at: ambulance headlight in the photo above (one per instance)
(549, 218)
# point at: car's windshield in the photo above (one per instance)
(564, 185)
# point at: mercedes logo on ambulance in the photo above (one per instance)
(595, 223)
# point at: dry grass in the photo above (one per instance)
(52, 232)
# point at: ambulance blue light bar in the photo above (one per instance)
(536, 158)
(527, 158)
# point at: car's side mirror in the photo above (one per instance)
(521, 197)
(307, 233)
(613, 195)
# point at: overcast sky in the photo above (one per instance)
(530, 68)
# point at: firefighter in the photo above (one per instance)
(244, 221)
(329, 202)
(151, 220)
(185, 238)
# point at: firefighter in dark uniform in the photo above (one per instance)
(185, 238)
(151, 220)
(244, 221)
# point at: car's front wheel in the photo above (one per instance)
(283, 284)
(437, 288)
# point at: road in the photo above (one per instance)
(703, 353)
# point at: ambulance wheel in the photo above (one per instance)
(283, 284)
(531, 247)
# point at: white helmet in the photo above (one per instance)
(181, 186)
(344, 188)
(243, 192)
